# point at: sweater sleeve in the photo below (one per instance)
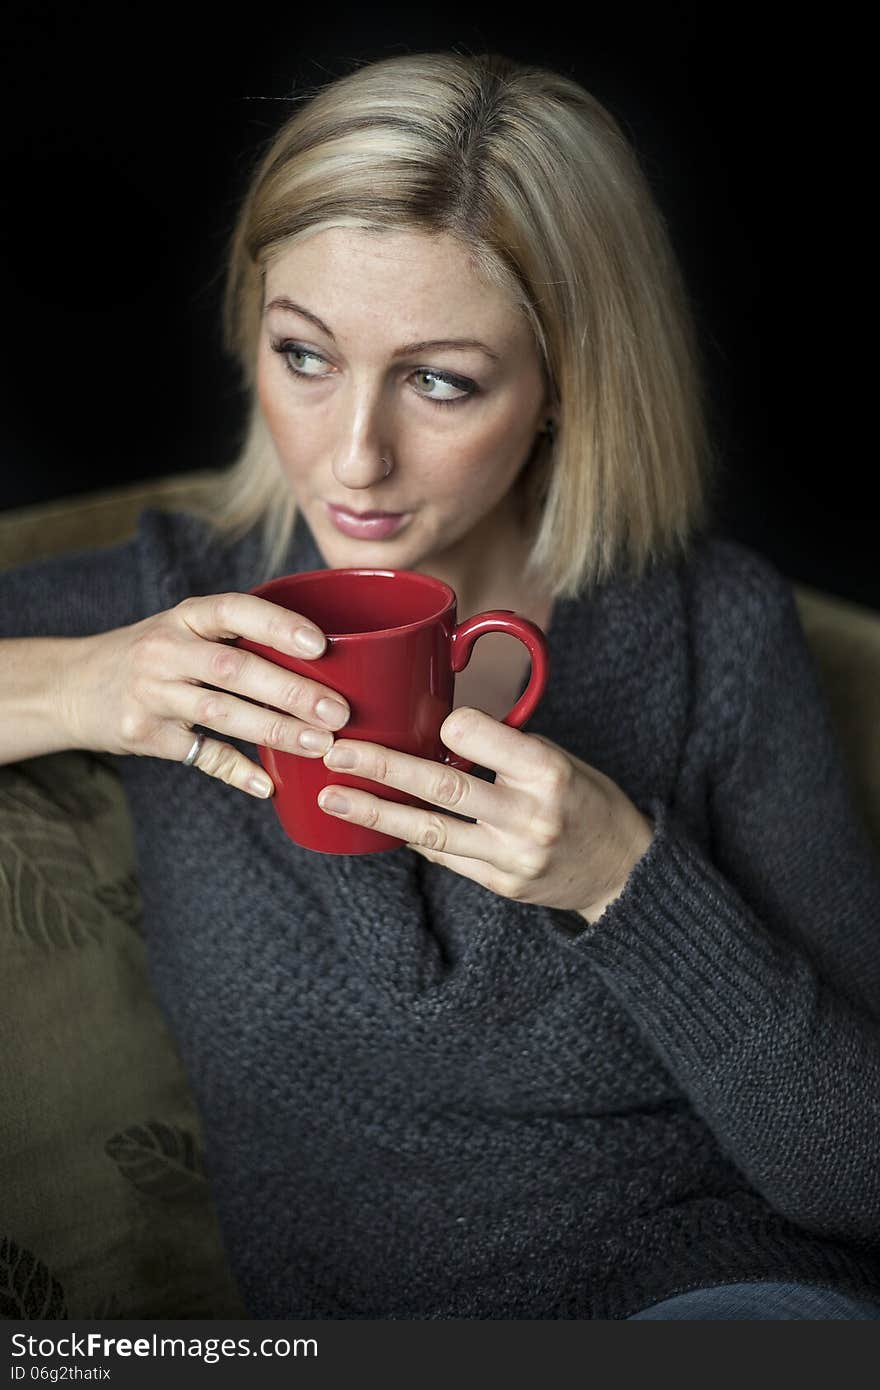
(95, 590)
(753, 968)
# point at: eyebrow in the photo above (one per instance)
(282, 302)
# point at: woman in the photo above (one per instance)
(608, 1046)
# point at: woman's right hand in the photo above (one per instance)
(140, 689)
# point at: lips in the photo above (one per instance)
(366, 525)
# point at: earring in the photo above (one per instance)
(550, 430)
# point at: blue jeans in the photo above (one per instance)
(764, 1302)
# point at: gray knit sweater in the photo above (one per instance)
(423, 1100)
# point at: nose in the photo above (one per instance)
(364, 452)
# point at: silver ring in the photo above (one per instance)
(194, 751)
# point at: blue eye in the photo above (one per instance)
(286, 350)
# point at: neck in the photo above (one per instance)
(485, 568)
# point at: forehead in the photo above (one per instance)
(348, 272)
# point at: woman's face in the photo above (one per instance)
(371, 383)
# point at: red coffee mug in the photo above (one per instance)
(393, 648)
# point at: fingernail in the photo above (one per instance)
(308, 640)
(334, 801)
(261, 786)
(315, 741)
(341, 757)
(331, 712)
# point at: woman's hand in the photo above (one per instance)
(551, 830)
(140, 689)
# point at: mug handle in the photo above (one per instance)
(502, 620)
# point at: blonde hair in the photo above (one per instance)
(538, 183)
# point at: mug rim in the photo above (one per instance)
(439, 586)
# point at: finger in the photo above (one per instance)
(450, 789)
(211, 662)
(215, 710)
(219, 760)
(521, 759)
(219, 617)
(409, 823)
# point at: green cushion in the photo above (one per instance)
(104, 1206)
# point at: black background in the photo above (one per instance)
(129, 134)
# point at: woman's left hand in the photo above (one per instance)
(550, 830)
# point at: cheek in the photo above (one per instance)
(276, 413)
(484, 470)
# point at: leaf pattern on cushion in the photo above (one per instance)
(49, 885)
(28, 1289)
(54, 895)
(69, 786)
(122, 899)
(161, 1160)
